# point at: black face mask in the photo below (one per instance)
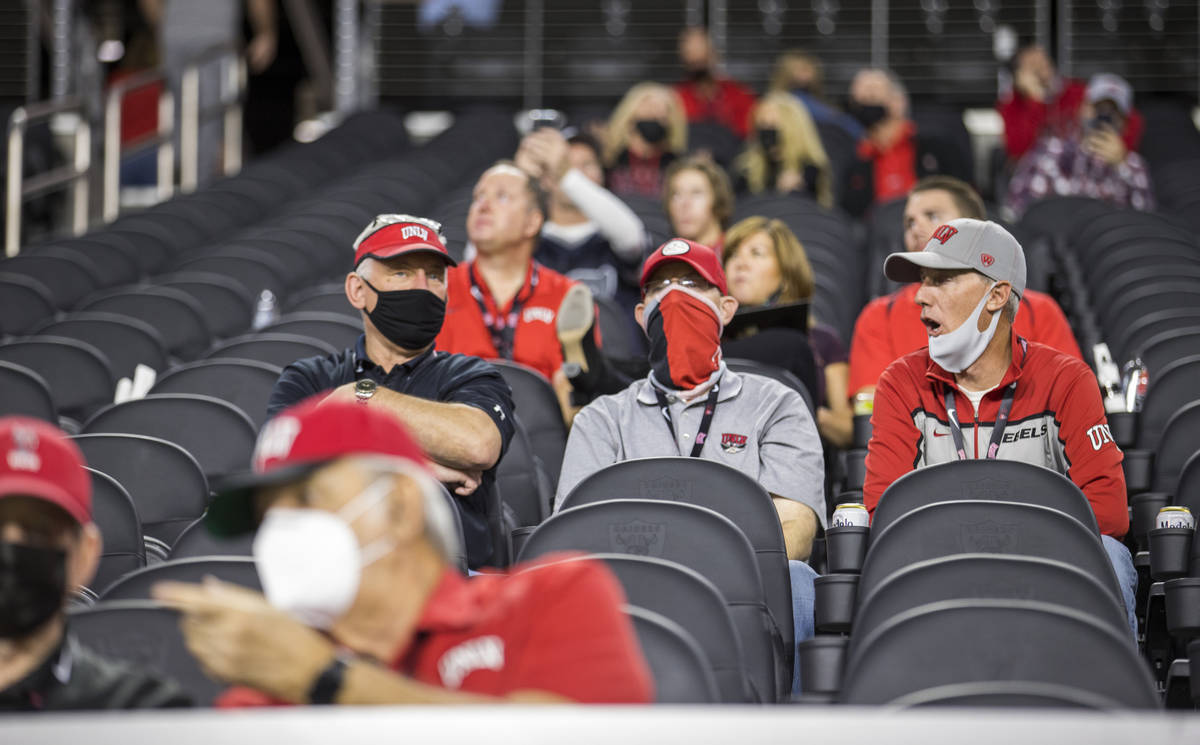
(867, 115)
(699, 74)
(33, 583)
(651, 130)
(410, 319)
(768, 138)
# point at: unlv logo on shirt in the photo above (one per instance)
(733, 443)
(944, 233)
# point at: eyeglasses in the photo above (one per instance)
(691, 283)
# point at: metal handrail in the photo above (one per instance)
(233, 87)
(115, 151)
(18, 190)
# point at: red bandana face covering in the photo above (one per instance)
(684, 330)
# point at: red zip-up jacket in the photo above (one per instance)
(1057, 421)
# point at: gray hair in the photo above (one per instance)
(1010, 308)
(894, 81)
(441, 527)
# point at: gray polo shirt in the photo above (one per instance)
(760, 427)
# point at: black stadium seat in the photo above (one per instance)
(695, 537)
(991, 576)
(228, 306)
(1001, 480)
(717, 487)
(116, 516)
(126, 342)
(677, 663)
(238, 570)
(164, 480)
(67, 279)
(325, 298)
(690, 600)
(78, 375)
(336, 329)
(279, 350)
(24, 393)
(246, 384)
(1021, 641)
(537, 405)
(177, 317)
(24, 303)
(146, 634)
(971, 526)
(218, 434)
(196, 542)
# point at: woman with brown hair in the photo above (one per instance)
(765, 264)
(698, 200)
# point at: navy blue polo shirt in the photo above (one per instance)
(432, 375)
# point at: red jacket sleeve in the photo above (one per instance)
(893, 449)
(1023, 120)
(1051, 327)
(1093, 459)
(871, 346)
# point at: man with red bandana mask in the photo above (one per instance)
(754, 424)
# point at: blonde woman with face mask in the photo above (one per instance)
(784, 153)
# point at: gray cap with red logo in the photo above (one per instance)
(980, 245)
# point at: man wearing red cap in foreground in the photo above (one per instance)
(48, 548)
(691, 404)
(458, 407)
(361, 603)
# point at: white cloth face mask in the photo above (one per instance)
(309, 560)
(958, 350)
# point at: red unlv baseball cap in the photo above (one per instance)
(298, 441)
(37, 460)
(696, 255)
(389, 236)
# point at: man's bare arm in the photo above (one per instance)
(799, 525)
(457, 435)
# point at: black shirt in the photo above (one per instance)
(432, 375)
(74, 677)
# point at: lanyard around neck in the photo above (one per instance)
(503, 326)
(710, 406)
(997, 428)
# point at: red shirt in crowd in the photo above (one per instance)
(894, 168)
(729, 105)
(1057, 421)
(890, 327)
(530, 318)
(1026, 119)
(557, 628)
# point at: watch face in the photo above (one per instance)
(366, 387)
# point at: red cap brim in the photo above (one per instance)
(13, 485)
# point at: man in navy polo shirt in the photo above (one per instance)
(458, 407)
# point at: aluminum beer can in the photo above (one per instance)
(850, 514)
(1170, 516)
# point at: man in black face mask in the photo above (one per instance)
(707, 95)
(458, 407)
(48, 547)
(892, 155)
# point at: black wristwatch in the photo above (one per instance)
(325, 688)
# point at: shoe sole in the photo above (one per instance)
(575, 317)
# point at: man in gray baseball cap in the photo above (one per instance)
(981, 391)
